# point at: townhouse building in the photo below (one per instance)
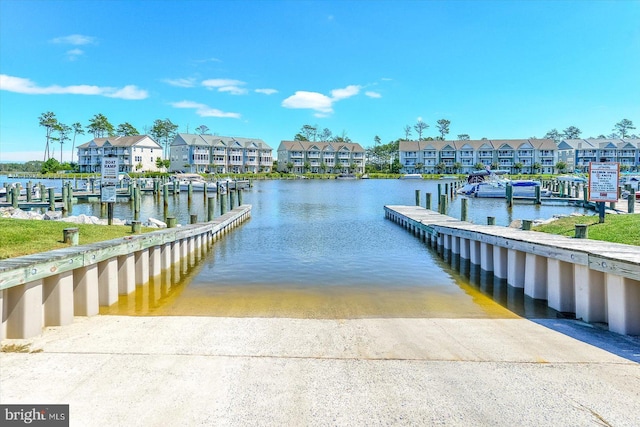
(464, 156)
(320, 157)
(577, 153)
(137, 153)
(196, 153)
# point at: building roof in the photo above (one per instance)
(119, 141)
(218, 141)
(352, 147)
(477, 144)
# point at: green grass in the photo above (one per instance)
(24, 237)
(616, 228)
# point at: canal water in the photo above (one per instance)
(323, 249)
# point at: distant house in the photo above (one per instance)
(463, 156)
(136, 153)
(219, 154)
(578, 153)
(320, 157)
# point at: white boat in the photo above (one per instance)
(490, 184)
(196, 181)
(411, 176)
(575, 179)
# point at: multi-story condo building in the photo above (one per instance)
(578, 153)
(464, 156)
(320, 157)
(219, 154)
(137, 153)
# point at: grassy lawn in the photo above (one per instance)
(616, 228)
(23, 236)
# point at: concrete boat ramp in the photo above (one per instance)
(184, 371)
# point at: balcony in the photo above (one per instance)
(297, 155)
(313, 155)
(505, 153)
(429, 154)
(448, 155)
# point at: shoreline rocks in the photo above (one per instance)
(11, 212)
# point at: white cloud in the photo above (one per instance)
(225, 85)
(233, 90)
(347, 92)
(74, 39)
(322, 104)
(74, 54)
(188, 82)
(27, 87)
(267, 91)
(309, 100)
(372, 94)
(204, 110)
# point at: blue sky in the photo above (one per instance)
(263, 69)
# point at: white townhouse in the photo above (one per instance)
(196, 153)
(578, 153)
(320, 157)
(137, 153)
(464, 156)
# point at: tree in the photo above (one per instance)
(518, 167)
(464, 137)
(440, 167)
(407, 132)
(63, 135)
(553, 134)
(561, 166)
(572, 132)
(342, 138)
(50, 166)
(77, 130)
(126, 129)
(307, 166)
(478, 166)
(164, 131)
(300, 137)
(623, 127)
(536, 167)
(49, 121)
(420, 127)
(338, 167)
(99, 126)
(456, 167)
(376, 140)
(309, 132)
(202, 129)
(325, 135)
(443, 127)
(289, 166)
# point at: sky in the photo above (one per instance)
(263, 69)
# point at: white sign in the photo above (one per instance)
(109, 171)
(108, 194)
(603, 182)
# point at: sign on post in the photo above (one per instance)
(109, 179)
(603, 181)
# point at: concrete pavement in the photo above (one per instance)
(158, 371)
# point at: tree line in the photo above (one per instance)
(163, 131)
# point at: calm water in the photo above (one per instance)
(323, 249)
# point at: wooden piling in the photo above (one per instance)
(211, 208)
(491, 220)
(71, 236)
(193, 219)
(509, 195)
(442, 206)
(526, 224)
(463, 208)
(582, 231)
(428, 201)
(631, 202)
(171, 221)
(136, 227)
(417, 197)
